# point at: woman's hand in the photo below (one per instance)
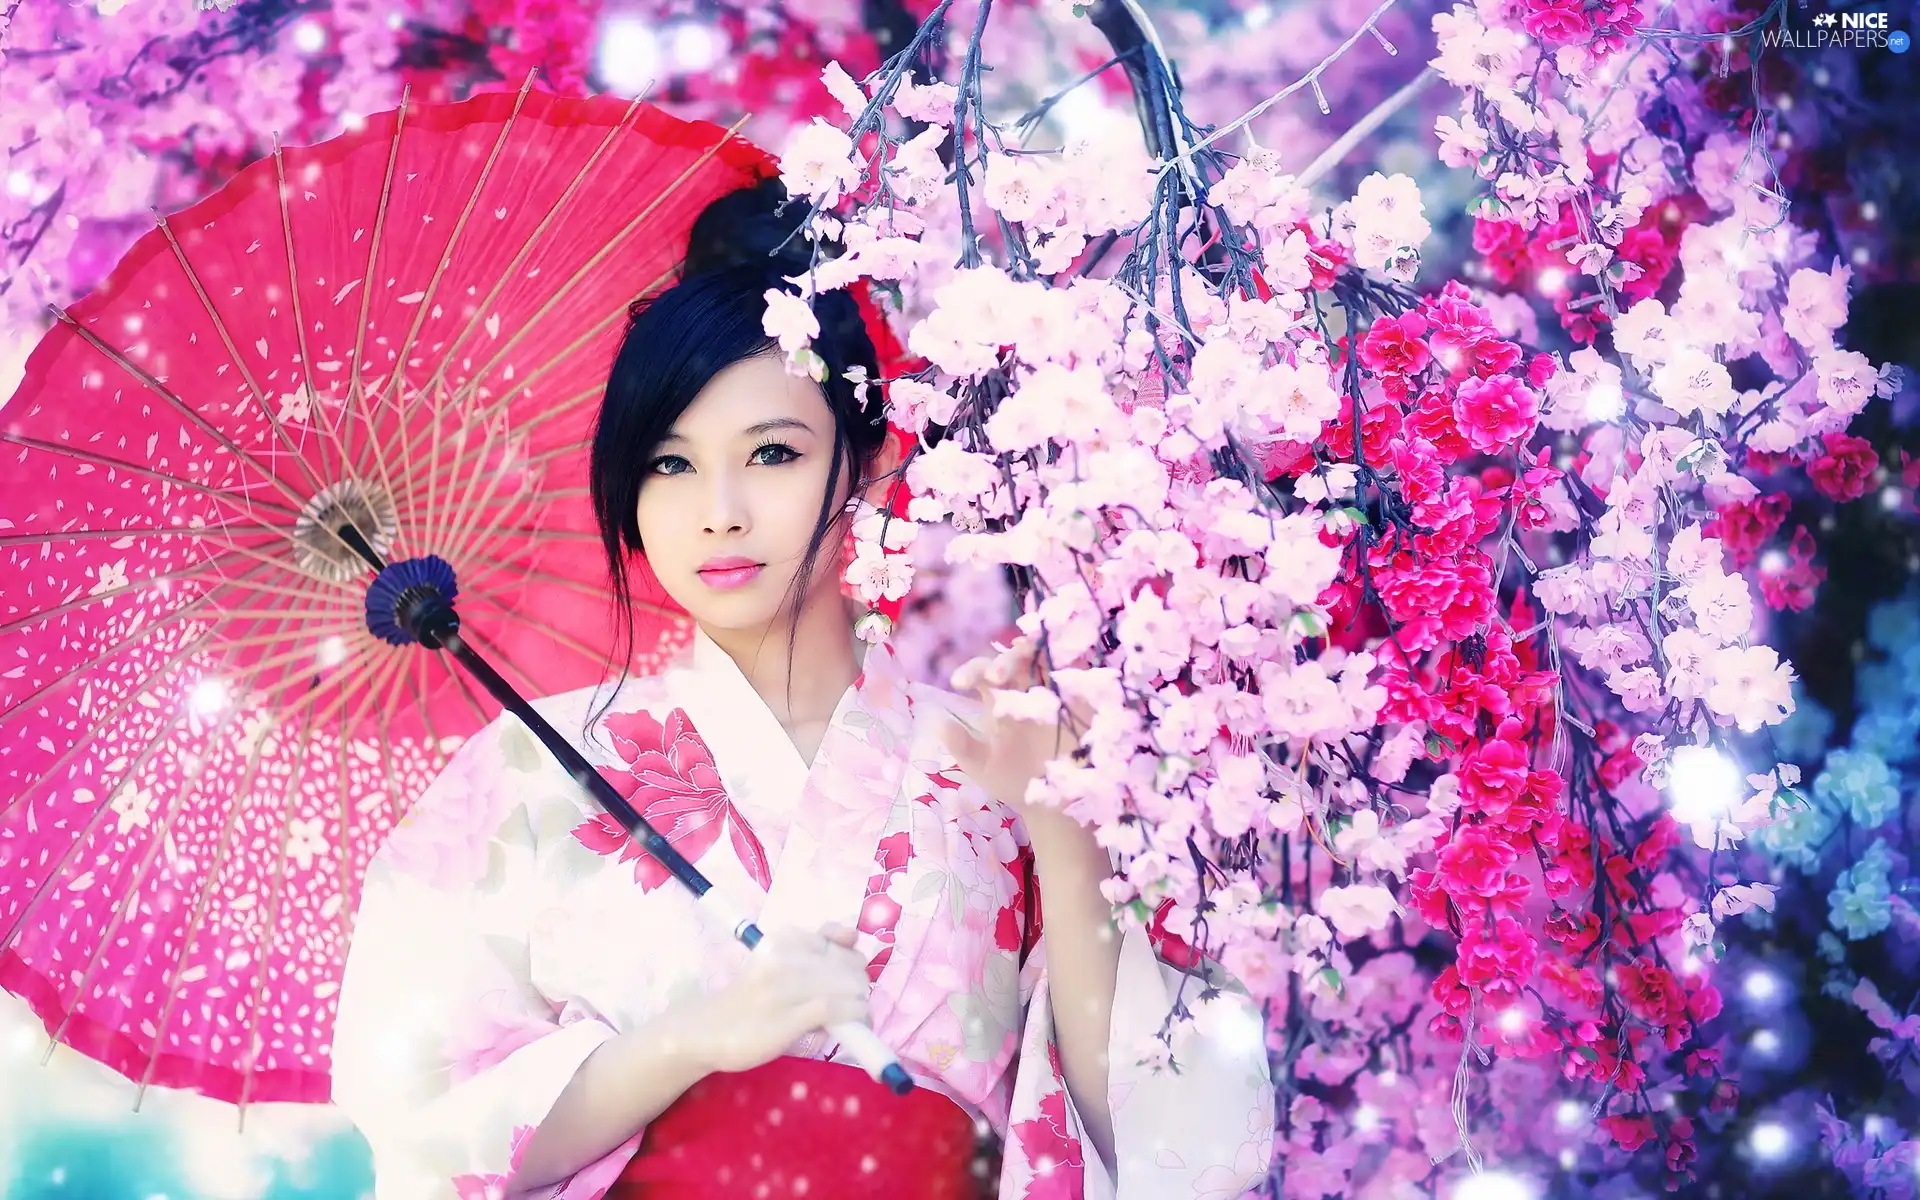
(793, 983)
(1006, 754)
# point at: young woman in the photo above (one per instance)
(533, 1008)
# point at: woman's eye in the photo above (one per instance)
(774, 453)
(667, 464)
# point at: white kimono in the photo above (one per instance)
(508, 928)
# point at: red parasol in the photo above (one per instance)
(406, 329)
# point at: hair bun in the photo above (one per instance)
(747, 228)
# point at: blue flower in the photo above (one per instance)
(1861, 903)
(1803, 735)
(1882, 685)
(1833, 953)
(1797, 836)
(1894, 623)
(1907, 659)
(1892, 736)
(1878, 859)
(1861, 783)
(1858, 914)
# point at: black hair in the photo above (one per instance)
(677, 341)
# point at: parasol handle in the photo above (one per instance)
(410, 600)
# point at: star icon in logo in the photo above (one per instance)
(1825, 18)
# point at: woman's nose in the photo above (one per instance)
(726, 510)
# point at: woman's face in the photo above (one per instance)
(731, 495)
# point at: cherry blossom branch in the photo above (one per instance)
(1365, 126)
(1310, 79)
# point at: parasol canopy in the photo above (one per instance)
(406, 330)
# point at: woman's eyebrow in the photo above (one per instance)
(754, 430)
(776, 423)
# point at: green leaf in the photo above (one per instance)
(1355, 515)
(981, 1030)
(496, 877)
(1333, 980)
(517, 830)
(518, 750)
(570, 861)
(1000, 982)
(1588, 1053)
(554, 820)
(929, 886)
(810, 361)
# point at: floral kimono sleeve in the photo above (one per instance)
(445, 1054)
(1201, 1132)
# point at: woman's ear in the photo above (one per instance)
(885, 470)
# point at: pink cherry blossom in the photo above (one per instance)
(790, 321)
(818, 162)
(1816, 305)
(1751, 686)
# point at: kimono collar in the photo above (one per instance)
(819, 823)
(737, 720)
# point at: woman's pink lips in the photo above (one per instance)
(728, 578)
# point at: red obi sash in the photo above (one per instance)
(802, 1127)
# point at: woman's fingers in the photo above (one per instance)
(853, 1008)
(962, 742)
(968, 675)
(850, 966)
(1013, 667)
(788, 946)
(822, 961)
(830, 990)
(840, 957)
(822, 1011)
